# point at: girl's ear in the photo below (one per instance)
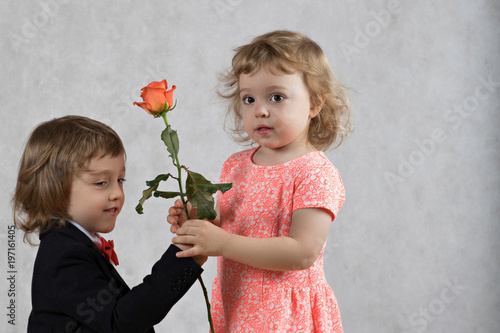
(316, 106)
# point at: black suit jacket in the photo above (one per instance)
(76, 289)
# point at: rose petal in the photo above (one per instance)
(143, 105)
(158, 84)
(169, 96)
(155, 98)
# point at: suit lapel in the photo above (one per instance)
(73, 231)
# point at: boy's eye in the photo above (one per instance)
(277, 98)
(121, 180)
(248, 100)
(100, 183)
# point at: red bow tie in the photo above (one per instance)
(107, 248)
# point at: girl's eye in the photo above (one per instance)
(277, 98)
(121, 180)
(100, 184)
(248, 100)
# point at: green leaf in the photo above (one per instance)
(200, 194)
(171, 140)
(147, 193)
(166, 195)
(212, 188)
(205, 206)
(158, 179)
(139, 209)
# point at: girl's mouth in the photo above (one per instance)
(264, 130)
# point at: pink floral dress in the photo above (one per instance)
(260, 204)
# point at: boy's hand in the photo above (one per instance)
(177, 215)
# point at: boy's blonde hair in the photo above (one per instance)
(286, 52)
(54, 152)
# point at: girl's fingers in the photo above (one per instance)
(182, 240)
(185, 253)
(184, 229)
(191, 252)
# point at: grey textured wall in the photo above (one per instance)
(414, 249)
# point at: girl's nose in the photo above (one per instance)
(261, 110)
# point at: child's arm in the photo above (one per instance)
(86, 293)
(308, 233)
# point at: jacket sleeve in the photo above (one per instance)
(75, 282)
(151, 300)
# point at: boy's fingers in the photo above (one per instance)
(173, 211)
(174, 227)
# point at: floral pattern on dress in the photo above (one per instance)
(260, 205)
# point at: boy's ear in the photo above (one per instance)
(316, 106)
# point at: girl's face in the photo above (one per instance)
(97, 196)
(276, 111)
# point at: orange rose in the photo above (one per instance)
(156, 98)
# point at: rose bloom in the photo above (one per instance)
(156, 98)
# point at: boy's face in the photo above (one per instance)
(97, 196)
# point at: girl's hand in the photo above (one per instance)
(200, 260)
(206, 239)
(299, 250)
(177, 215)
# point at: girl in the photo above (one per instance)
(275, 220)
(70, 189)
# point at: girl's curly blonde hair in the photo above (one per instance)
(287, 52)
